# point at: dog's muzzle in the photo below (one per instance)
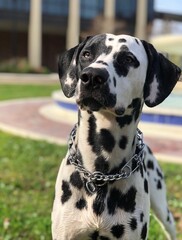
(94, 90)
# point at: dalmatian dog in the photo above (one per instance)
(109, 178)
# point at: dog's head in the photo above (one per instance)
(108, 72)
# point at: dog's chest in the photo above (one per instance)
(120, 205)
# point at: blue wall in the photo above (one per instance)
(89, 8)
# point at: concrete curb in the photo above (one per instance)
(16, 78)
(32, 135)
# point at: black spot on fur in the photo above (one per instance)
(66, 192)
(112, 100)
(122, 40)
(94, 235)
(133, 224)
(80, 204)
(92, 135)
(168, 219)
(159, 173)
(144, 231)
(168, 216)
(99, 204)
(89, 112)
(124, 49)
(123, 60)
(101, 164)
(128, 202)
(146, 186)
(141, 217)
(117, 199)
(136, 106)
(103, 140)
(102, 62)
(133, 143)
(104, 238)
(111, 39)
(76, 180)
(144, 167)
(113, 200)
(68, 162)
(123, 142)
(136, 103)
(125, 120)
(150, 165)
(108, 50)
(107, 140)
(137, 41)
(149, 150)
(114, 81)
(118, 230)
(159, 184)
(141, 170)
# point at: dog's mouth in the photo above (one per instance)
(94, 105)
(90, 104)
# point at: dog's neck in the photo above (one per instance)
(104, 141)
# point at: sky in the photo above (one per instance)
(170, 6)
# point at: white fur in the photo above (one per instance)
(154, 91)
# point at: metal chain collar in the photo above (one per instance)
(98, 178)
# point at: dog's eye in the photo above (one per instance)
(129, 59)
(124, 58)
(86, 54)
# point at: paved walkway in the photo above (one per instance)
(23, 117)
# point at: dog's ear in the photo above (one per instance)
(162, 76)
(67, 69)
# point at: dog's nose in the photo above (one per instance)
(94, 77)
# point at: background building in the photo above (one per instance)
(14, 25)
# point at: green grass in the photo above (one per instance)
(28, 171)
(173, 179)
(26, 91)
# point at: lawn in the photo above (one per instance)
(28, 171)
(26, 91)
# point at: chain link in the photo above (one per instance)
(97, 177)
